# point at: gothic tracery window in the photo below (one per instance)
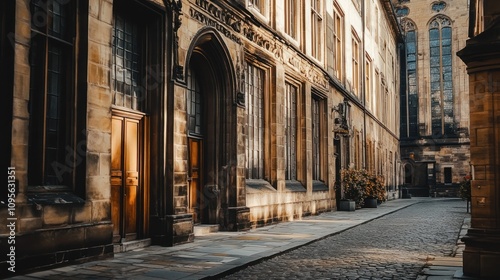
(441, 77)
(410, 126)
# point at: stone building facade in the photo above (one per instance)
(230, 113)
(434, 96)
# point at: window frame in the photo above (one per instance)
(338, 41)
(411, 79)
(318, 151)
(266, 72)
(291, 25)
(317, 27)
(261, 8)
(197, 103)
(439, 125)
(448, 175)
(368, 81)
(290, 172)
(69, 164)
(356, 60)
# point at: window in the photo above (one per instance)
(317, 136)
(291, 17)
(368, 81)
(447, 175)
(338, 41)
(259, 5)
(316, 29)
(441, 81)
(355, 64)
(402, 11)
(52, 93)
(290, 109)
(254, 89)
(194, 105)
(411, 125)
(439, 6)
(125, 71)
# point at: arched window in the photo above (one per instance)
(441, 81)
(438, 6)
(402, 11)
(411, 113)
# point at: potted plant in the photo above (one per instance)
(374, 191)
(353, 181)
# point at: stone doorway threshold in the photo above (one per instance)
(131, 245)
(204, 229)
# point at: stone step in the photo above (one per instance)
(205, 229)
(132, 245)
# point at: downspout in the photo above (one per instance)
(363, 78)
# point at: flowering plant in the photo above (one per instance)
(359, 184)
(464, 191)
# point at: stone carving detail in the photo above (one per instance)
(440, 21)
(175, 7)
(407, 25)
(232, 26)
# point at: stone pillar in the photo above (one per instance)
(481, 256)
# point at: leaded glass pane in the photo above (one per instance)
(194, 105)
(126, 64)
(316, 138)
(254, 94)
(290, 110)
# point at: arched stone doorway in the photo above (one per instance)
(211, 130)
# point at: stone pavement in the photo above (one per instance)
(446, 268)
(217, 254)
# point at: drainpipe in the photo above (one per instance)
(363, 86)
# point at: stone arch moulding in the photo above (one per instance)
(408, 25)
(211, 36)
(439, 21)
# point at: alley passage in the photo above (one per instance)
(392, 247)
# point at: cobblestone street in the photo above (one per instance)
(393, 241)
(395, 246)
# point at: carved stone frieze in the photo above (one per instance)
(231, 25)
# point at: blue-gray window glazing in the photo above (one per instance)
(441, 77)
(412, 83)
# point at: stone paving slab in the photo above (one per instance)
(440, 268)
(217, 254)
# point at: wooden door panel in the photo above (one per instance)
(195, 153)
(116, 176)
(131, 160)
(131, 212)
(116, 211)
(116, 144)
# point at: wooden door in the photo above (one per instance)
(195, 174)
(125, 190)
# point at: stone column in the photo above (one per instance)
(482, 242)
